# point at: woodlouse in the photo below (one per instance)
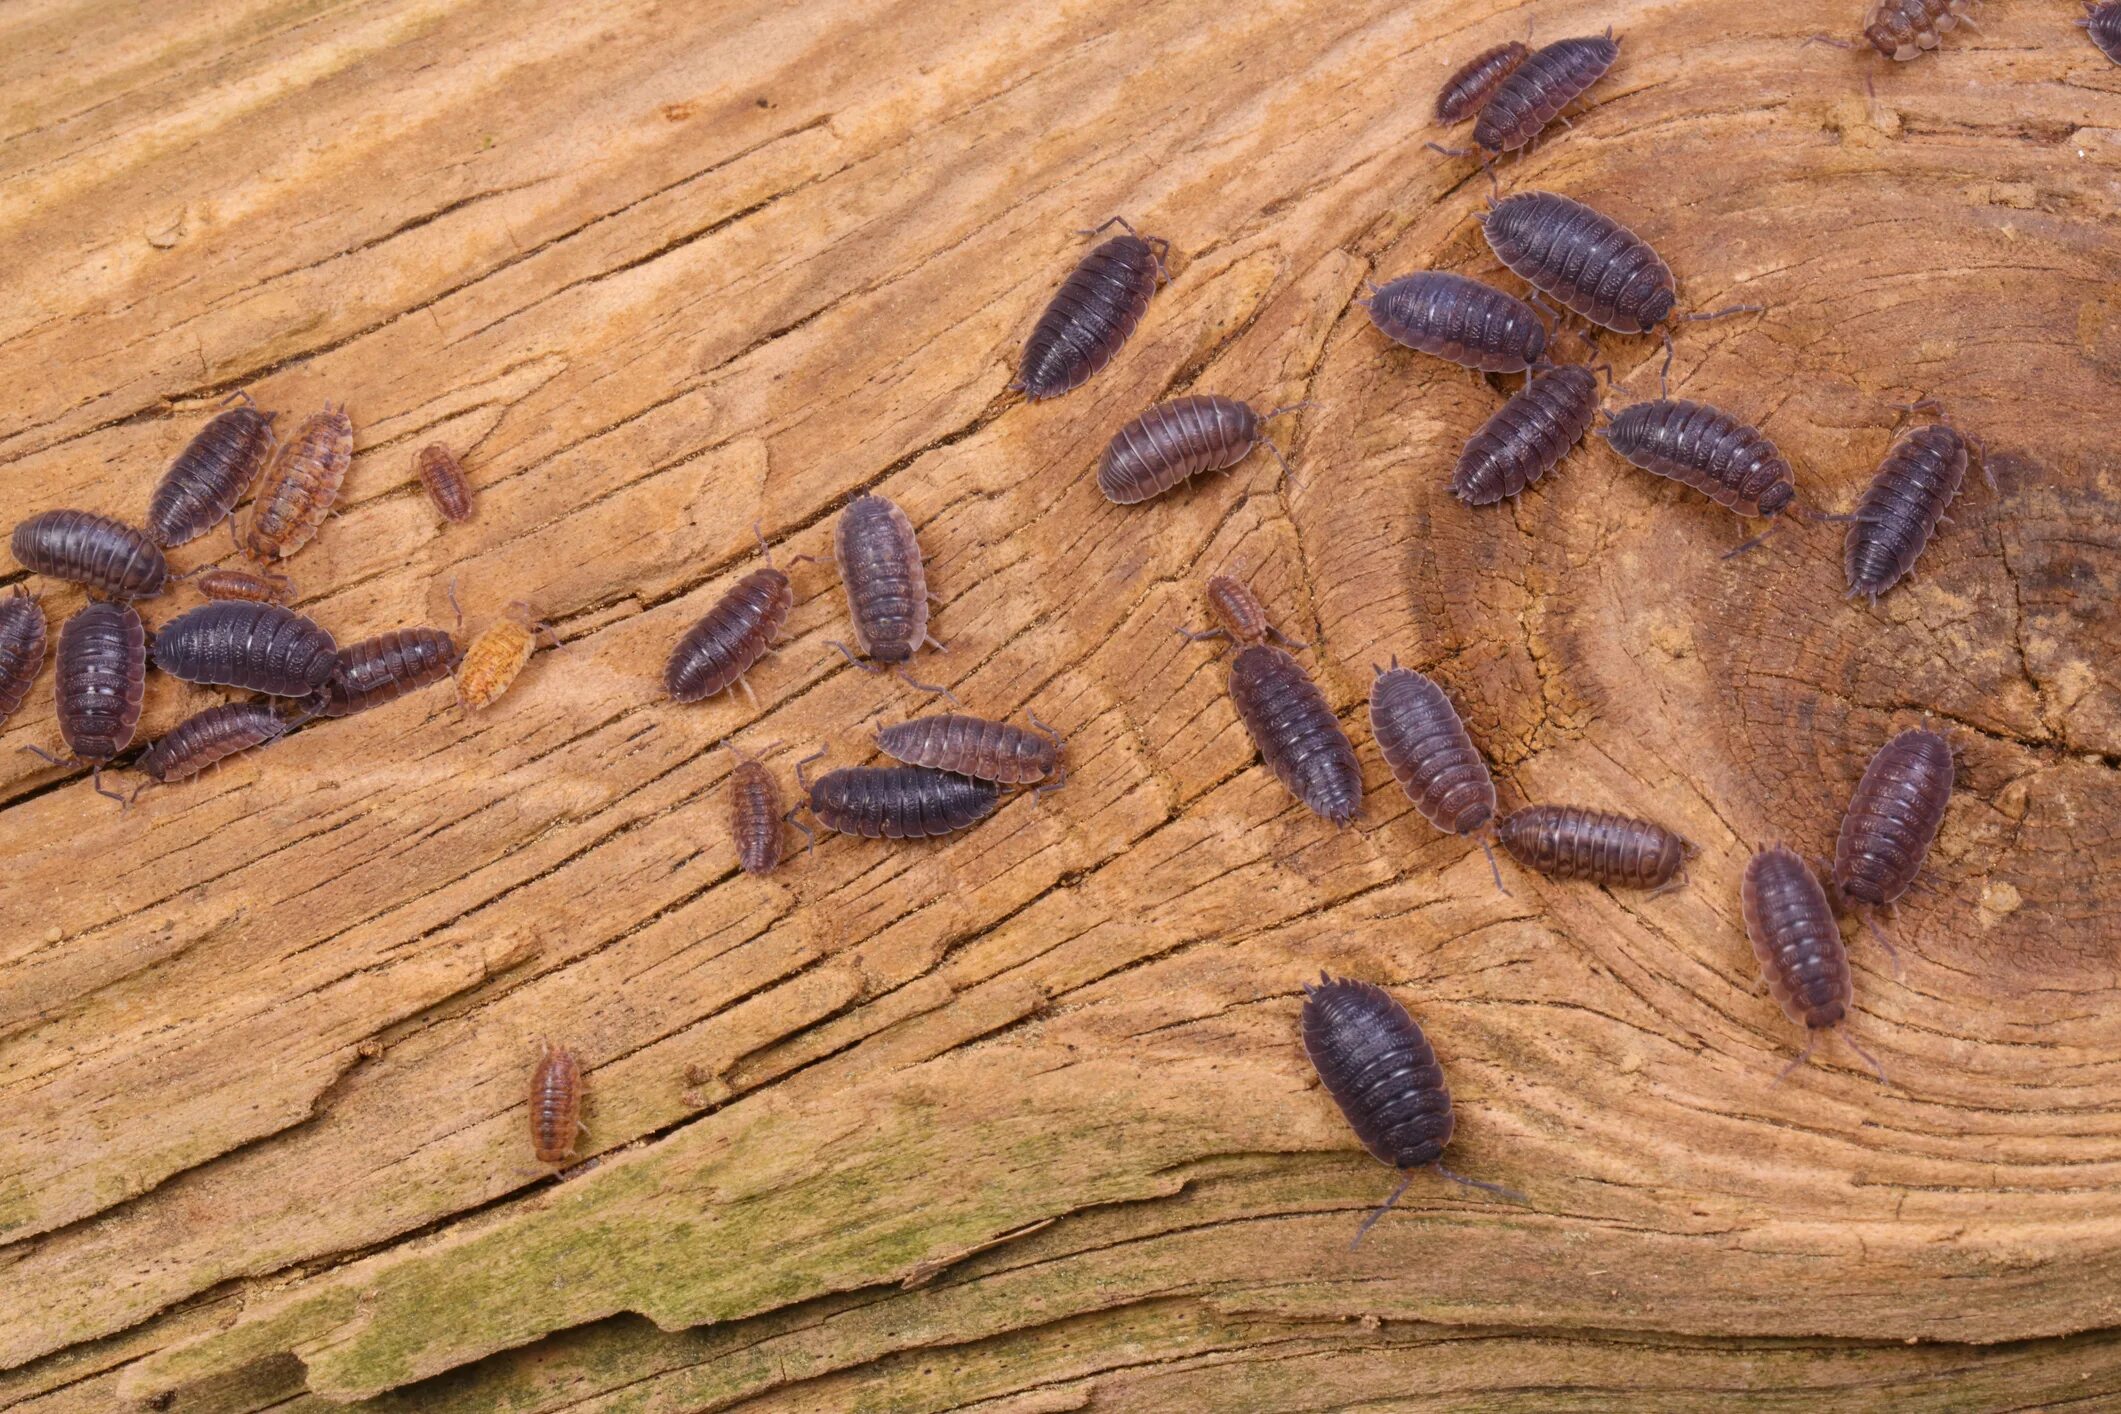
(210, 475)
(1534, 93)
(384, 668)
(261, 647)
(2103, 23)
(1179, 439)
(1577, 842)
(442, 475)
(1907, 497)
(491, 661)
(555, 1105)
(1902, 29)
(209, 736)
(1239, 616)
(1297, 734)
(1432, 756)
(1458, 318)
(1379, 1068)
(1583, 258)
(1093, 312)
(754, 814)
(22, 638)
(251, 586)
(974, 746)
(881, 569)
(730, 637)
(103, 554)
(896, 802)
(1527, 436)
(1794, 936)
(101, 678)
(1891, 821)
(1475, 81)
(300, 486)
(1706, 448)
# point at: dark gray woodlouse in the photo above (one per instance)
(1379, 1068)
(251, 586)
(1577, 842)
(261, 647)
(1297, 734)
(384, 668)
(206, 737)
(300, 485)
(896, 802)
(1458, 318)
(2103, 23)
(1706, 448)
(1792, 929)
(1586, 260)
(1891, 821)
(443, 476)
(102, 554)
(101, 678)
(555, 1105)
(974, 746)
(1527, 436)
(1239, 616)
(1177, 440)
(1093, 313)
(1475, 81)
(881, 569)
(1432, 756)
(1902, 29)
(210, 475)
(732, 636)
(22, 638)
(754, 814)
(1907, 497)
(1533, 94)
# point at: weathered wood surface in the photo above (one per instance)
(1019, 1120)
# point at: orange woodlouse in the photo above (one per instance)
(556, 1105)
(1239, 616)
(491, 661)
(300, 485)
(442, 475)
(250, 586)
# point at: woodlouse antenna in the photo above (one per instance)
(1510, 1193)
(935, 688)
(1871, 922)
(809, 835)
(803, 765)
(1383, 1208)
(758, 533)
(1802, 1056)
(848, 653)
(1288, 407)
(1752, 543)
(1493, 868)
(1868, 1059)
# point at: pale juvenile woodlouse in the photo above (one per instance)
(1527, 436)
(1239, 616)
(977, 747)
(882, 570)
(555, 1105)
(384, 668)
(1177, 440)
(1891, 821)
(261, 647)
(1458, 318)
(210, 475)
(300, 485)
(1907, 497)
(1475, 81)
(101, 679)
(1379, 1068)
(1092, 313)
(206, 737)
(1433, 757)
(491, 662)
(732, 636)
(443, 476)
(1794, 936)
(1578, 842)
(754, 814)
(22, 639)
(895, 802)
(250, 586)
(101, 553)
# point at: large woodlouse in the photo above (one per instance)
(754, 814)
(491, 662)
(896, 802)
(1092, 314)
(887, 585)
(209, 736)
(384, 668)
(210, 475)
(22, 637)
(1892, 820)
(251, 586)
(1534, 93)
(976, 747)
(1583, 258)
(1902, 29)
(447, 487)
(1239, 616)
(2103, 23)
(1432, 756)
(104, 555)
(555, 1105)
(730, 637)
(1527, 436)
(1297, 734)
(1794, 936)
(101, 678)
(1577, 842)
(300, 486)
(261, 647)
(1381, 1071)
(1177, 440)
(1458, 318)
(1730, 462)
(1900, 509)
(1475, 81)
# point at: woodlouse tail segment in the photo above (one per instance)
(1870, 922)
(1510, 1193)
(1383, 1208)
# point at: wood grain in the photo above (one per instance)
(1018, 1120)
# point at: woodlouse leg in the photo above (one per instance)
(243, 393)
(1286, 474)
(740, 682)
(455, 605)
(1510, 1193)
(930, 641)
(937, 689)
(1385, 1207)
(136, 793)
(95, 776)
(1677, 881)
(865, 667)
(1887, 943)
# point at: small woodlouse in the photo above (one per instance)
(210, 475)
(251, 586)
(440, 473)
(1706, 448)
(1475, 82)
(209, 736)
(730, 637)
(1577, 842)
(1902, 29)
(1586, 260)
(1534, 93)
(102, 676)
(1177, 440)
(976, 747)
(896, 802)
(1527, 437)
(22, 637)
(300, 486)
(754, 814)
(384, 668)
(1297, 734)
(2103, 23)
(1900, 510)
(491, 661)
(1458, 318)
(555, 1105)
(1379, 1068)
(1794, 936)
(887, 585)
(1239, 616)
(104, 555)
(1432, 756)
(1093, 313)
(260, 647)
(1892, 820)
